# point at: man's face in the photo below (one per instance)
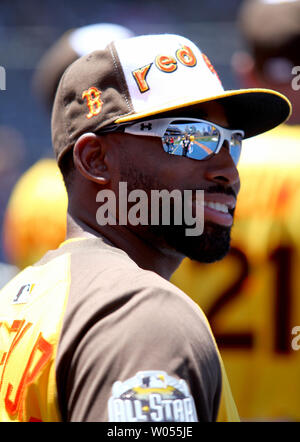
(146, 166)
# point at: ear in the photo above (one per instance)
(89, 155)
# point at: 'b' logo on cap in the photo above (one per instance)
(94, 103)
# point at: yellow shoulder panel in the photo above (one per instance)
(32, 307)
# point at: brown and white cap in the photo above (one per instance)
(152, 76)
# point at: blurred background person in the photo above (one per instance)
(252, 297)
(35, 217)
(73, 44)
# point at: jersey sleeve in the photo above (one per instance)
(138, 355)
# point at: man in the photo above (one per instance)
(185, 145)
(251, 297)
(95, 329)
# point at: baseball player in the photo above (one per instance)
(252, 296)
(95, 331)
(185, 143)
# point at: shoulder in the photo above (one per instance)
(169, 307)
(105, 284)
(115, 287)
(132, 322)
(137, 311)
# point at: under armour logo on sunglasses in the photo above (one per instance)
(191, 137)
(146, 126)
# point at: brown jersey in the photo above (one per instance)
(123, 344)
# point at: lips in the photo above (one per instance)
(218, 208)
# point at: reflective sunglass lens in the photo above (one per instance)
(236, 147)
(192, 140)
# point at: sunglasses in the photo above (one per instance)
(190, 137)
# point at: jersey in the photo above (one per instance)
(251, 297)
(87, 335)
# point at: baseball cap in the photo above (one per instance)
(155, 76)
(73, 44)
(271, 29)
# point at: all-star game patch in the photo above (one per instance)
(151, 396)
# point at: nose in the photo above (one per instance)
(222, 170)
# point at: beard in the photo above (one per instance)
(212, 245)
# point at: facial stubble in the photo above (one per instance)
(212, 245)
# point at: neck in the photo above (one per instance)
(143, 253)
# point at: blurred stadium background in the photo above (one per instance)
(263, 284)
